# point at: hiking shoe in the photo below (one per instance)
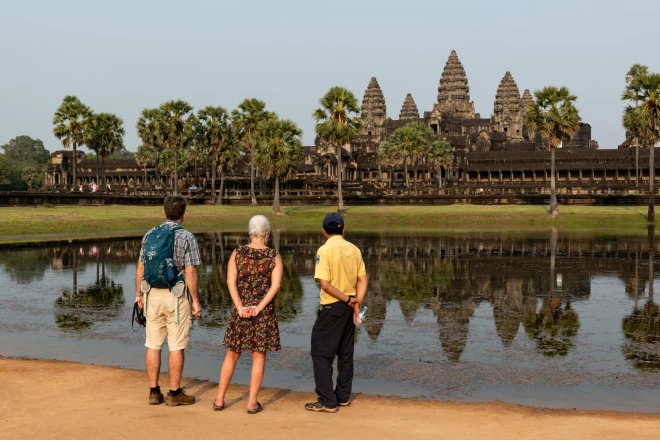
(181, 399)
(319, 407)
(156, 398)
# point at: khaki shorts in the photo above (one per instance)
(161, 320)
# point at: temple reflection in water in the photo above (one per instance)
(534, 285)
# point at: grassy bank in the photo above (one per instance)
(29, 224)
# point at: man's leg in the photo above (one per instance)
(175, 364)
(323, 380)
(345, 360)
(152, 359)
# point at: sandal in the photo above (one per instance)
(218, 407)
(258, 409)
(319, 407)
(344, 403)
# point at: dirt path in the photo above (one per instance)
(61, 400)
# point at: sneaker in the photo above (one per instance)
(156, 398)
(319, 407)
(181, 399)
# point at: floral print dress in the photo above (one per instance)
(261, 333)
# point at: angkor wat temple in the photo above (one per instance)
(497, 151)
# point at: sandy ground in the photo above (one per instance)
(62, 400)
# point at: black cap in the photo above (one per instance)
(333, 221)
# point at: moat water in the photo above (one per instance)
(542, 318)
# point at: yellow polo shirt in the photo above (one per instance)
(340, 263)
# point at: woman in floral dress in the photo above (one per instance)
(254, 275)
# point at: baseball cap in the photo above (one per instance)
(333, 221)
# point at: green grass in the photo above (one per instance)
(29, 224)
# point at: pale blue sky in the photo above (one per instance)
(123, 56)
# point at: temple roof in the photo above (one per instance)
(526, 100)
(409, 110)
(373, 103)
(507, 95)
(453, 82)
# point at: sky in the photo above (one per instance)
(124, 56)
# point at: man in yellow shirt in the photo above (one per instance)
(343, 278)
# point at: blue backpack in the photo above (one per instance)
(159, 268)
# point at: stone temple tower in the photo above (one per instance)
(454, 92)
(373, 111)
(507, 117)
(525, 102)
(409, 110)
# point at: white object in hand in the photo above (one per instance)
(360, 317)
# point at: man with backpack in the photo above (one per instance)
(165, 270)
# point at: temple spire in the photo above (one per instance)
(526, 100)
(453, 91)
(507, 117)
(409, 110)
(374, 110)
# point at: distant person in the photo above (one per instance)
(340, 271)
(167, 301)
(254, 274)
(80, 188)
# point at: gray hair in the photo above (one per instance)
(258, 226)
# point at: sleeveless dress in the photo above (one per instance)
(261, 333)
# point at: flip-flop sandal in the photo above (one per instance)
(259, 408)
(218, 407)
(319, 407)
(344, 403)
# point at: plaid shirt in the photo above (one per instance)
(186, 251)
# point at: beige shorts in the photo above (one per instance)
(161, 320)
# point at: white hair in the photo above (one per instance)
(258, 226)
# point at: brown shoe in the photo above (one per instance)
(156, 398)
(181, 399)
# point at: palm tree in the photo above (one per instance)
(644, 121)
(553, 115)
(145, 156)
(410, 142)
(439, 156)
(177, 131)
(632, 93)
(246, 118)
(390, 157)
(149, 129)
(215, 134)
(173, 162)
(70, 121)
(338, 123)
(105, 135)
(28, 174)
(278, 152)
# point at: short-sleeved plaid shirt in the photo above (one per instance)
(186, 251)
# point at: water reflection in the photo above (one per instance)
(536, 290)
(100, 301)
(642, 327)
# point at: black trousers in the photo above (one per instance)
(332, 336)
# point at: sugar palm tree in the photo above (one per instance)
(390, 156)
(554, 115)
(338, 123)
(105, 135)
(246, 118)
(70, 121)
(644, 121)
(278, 152)
(440, 155)
(149, 129)
(168, 163)
(145, 156)
(176, 131)
(410, 142)
(632, 93)
(215, 134)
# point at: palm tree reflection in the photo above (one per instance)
(101, 301)
(642, 327)
(554, 326)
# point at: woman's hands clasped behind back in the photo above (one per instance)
(249, 312)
